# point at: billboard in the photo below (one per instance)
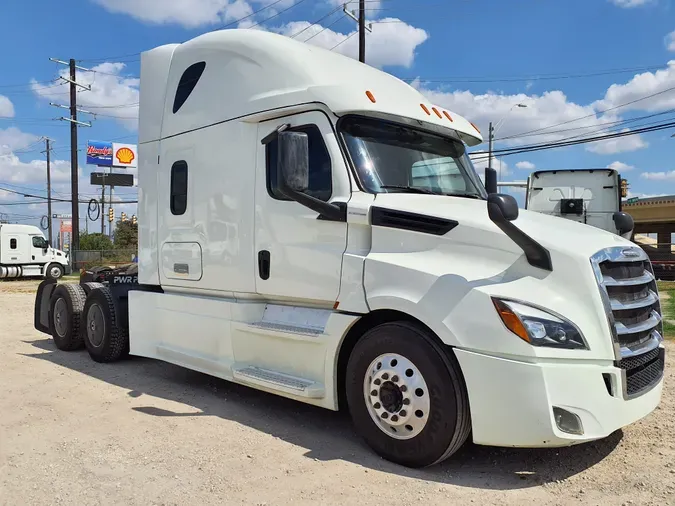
(99, 153)
(112, 154)
(111, 179)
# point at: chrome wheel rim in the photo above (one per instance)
(95, 325)
(396, 396)
(61, 317)
(55, 272)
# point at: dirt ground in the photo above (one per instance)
(148, 433)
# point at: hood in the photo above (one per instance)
(475, 227)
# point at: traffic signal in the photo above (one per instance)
(124, 216)
(111, 214)
(624, 188)
(134, 220)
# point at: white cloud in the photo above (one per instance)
(628, 4)
(670, 41)
(620, 166)
(187, 13)
(6, 107)
(659, 176)
(660, 84)
(525, 165)
(479, 159)
(14, 171)
(391, 43)
(12, 139)
(112, 95)
(618, 145)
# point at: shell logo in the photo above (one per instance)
(125, 155)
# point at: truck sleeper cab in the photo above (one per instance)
(313, 227)
(26, 253)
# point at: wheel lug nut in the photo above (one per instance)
(385, 376)
(385, 415)
(374, 392)
(403, 388)
(394, 418)
(377, 405)
(406, 401)
(402, 412)
(394, 379)
(377, 382)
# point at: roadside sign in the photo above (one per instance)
(111, 179)
(632, 200)
(62, 216)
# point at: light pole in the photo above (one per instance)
(492, 130)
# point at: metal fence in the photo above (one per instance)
(83, 259)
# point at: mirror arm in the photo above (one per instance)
(536, 254)
(326, 210)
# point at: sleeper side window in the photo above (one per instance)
(320, 173)
(179, 187)
(12, 243)
(187, 84)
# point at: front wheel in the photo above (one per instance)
(54, 271)
(406, 395)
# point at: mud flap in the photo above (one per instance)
(41, 310)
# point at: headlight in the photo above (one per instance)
(539, 327)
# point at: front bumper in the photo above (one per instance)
(512, 402)
(67, 269)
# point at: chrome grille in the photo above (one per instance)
(628, 288)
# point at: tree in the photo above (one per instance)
(95, 242)
(126, 235)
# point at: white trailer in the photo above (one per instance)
(313, 227)
(589, 196)
(24, 252)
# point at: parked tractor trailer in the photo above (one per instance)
(26, 253)
(313, 227)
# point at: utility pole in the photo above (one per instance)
(74, 172)
(103, 206)
(362, 31)
(490, 137)
(361, 20)
(47, 151)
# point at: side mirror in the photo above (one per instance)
(624, 224)
(293, 165)
(491, 180)
(503, 204)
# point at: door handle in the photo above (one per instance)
(264, 264)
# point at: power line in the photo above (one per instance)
(314, 23)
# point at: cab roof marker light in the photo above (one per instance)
(445, 113)
(370, 96)
(425, 109)
(437, 113)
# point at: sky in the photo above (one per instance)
(581, 68)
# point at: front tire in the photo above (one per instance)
(406, 395)
(54, 271)
(105, 338)
(65, 313)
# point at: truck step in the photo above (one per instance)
(291, 329)
(279, 381)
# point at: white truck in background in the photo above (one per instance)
(26, 253)
(590, 196)
(313, 227)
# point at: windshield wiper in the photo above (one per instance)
(411, 189)
(467, 195)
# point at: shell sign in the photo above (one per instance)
(125, 155)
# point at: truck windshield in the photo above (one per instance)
(390, 157)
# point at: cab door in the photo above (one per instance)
(38, 250)
(299, 257)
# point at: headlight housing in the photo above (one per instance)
(538, 326)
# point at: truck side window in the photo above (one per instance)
(320, 174)
(37, 242)
(12, 243)
(187, 83)
(179, 187)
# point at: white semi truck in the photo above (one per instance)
(313, 227)
(589, 196)
(25, 253)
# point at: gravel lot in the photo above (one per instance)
(144, 432)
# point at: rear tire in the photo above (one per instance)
(407, 396)
(91, 285)
(105, 339)
(54, 271)
(65, 313)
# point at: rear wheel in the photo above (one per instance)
(105, 338)
(65, 310)
(406, 395)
